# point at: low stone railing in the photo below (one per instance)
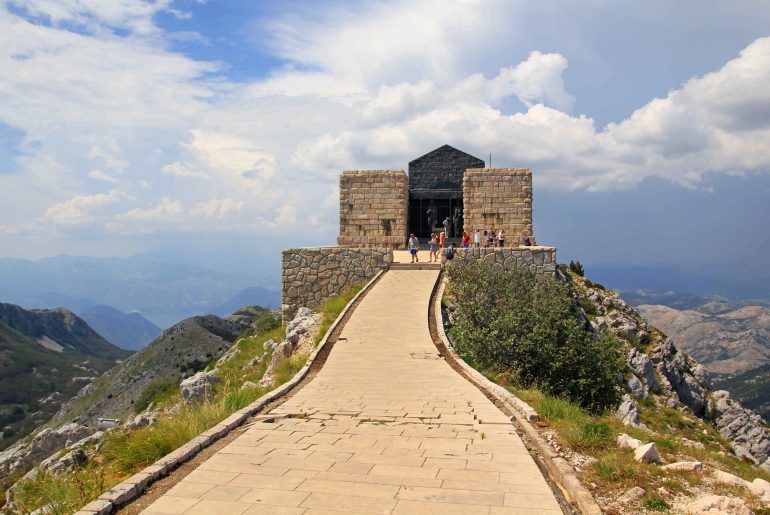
(540, 260)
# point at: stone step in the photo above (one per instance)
(415, 266)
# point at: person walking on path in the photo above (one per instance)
(477, 238)
(441, 239)
(414, 246)
(433, 248)
(466, 240)
(501, 238)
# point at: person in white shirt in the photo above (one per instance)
(477, 238)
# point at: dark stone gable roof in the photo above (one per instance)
(440, 169)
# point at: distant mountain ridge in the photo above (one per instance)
(730, 338)
(130, 331)
(46, 357)
(161, 291)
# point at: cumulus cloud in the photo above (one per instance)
(370, 87)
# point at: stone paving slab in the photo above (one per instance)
(384, 427)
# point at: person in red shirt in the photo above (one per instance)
(466, 240)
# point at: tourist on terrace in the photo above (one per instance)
(486, 240)
(477, 238)
(414, 245)
(441, 239)
(446, 223)
(501, 238)
(450, 252)
(466, 240)
(433, 248)
(490, 238)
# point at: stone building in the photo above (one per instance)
(379, 208)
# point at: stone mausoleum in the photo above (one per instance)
(379, 208)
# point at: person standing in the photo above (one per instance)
(447, 223)
(433, 248)
(501, 238)
(477, 238)
(414, 245)
(466, 240)
(442, 238)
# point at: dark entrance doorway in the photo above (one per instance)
(436, 184)
(441, 208)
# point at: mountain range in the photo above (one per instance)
(730, 338)
(162, 291)
(46, 357)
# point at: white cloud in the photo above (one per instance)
(538, 80)
(99, 175)
(80, 209)
(218, 208)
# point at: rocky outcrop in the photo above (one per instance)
(300, 333)
(24, 455)
(744, 429)
(717, 504)
(655, 366)
(198, 388)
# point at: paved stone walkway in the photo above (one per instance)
(389, 428)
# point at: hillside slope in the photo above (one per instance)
(179, 351)
(46, 356)
(130, 331)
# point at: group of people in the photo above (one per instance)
(486, 239)
(435, 245)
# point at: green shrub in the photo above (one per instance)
(157, 390)
(655, 503)
(526, 324)
(589, 435)
(577, 267)
(266, 322)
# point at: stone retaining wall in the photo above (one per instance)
(540, 260)
(310, 276)
(499, 198)
(373, 208)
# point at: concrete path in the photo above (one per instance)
(385, 427)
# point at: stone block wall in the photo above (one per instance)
(373, 208)
(499, 198)
(540, 260)
(310, 276)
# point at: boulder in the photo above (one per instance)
(761, 489)
(635, 387)
(640, 363)
(626, 442)
(304, 323)
(198, 388)
(647, 453)
(68, 462)
(146, 418)
(729, 479)
(718, 504)
(23, 455)
(281, 352)
(631, 495)
(744, 429)
(628, 411)
(685, 466)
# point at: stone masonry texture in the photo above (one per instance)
(373, 208)
(312, 275)
(441, 169)
(499, 198)
(540, 260)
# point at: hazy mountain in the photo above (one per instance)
(46, 357)
(249, 297)
(159, 289)
(130, 331)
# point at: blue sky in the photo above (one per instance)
(132, 126)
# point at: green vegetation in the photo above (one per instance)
(525, 327)
(577, 267)
(656, 503)
(157, 391)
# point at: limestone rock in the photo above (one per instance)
(631, 495)
(281, 352)
(761, 489)
(685, 466)
(718, 504)
(198, 388)
(628, 411)
(23, 455)
(730, 479)
(626, 442)
(743, 428)
(647, 453)
(248, 384)
(635, 386)
(66, 463)
(146, 418)
(304, 323)
(640, 363)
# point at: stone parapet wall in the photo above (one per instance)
(499, 198)
(540, 260)
(310, 276)
(373, 208)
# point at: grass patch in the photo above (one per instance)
(62, 494)
(656, 503)
(288, 367)
(332, 308)
(589, 435)
(158, 391)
